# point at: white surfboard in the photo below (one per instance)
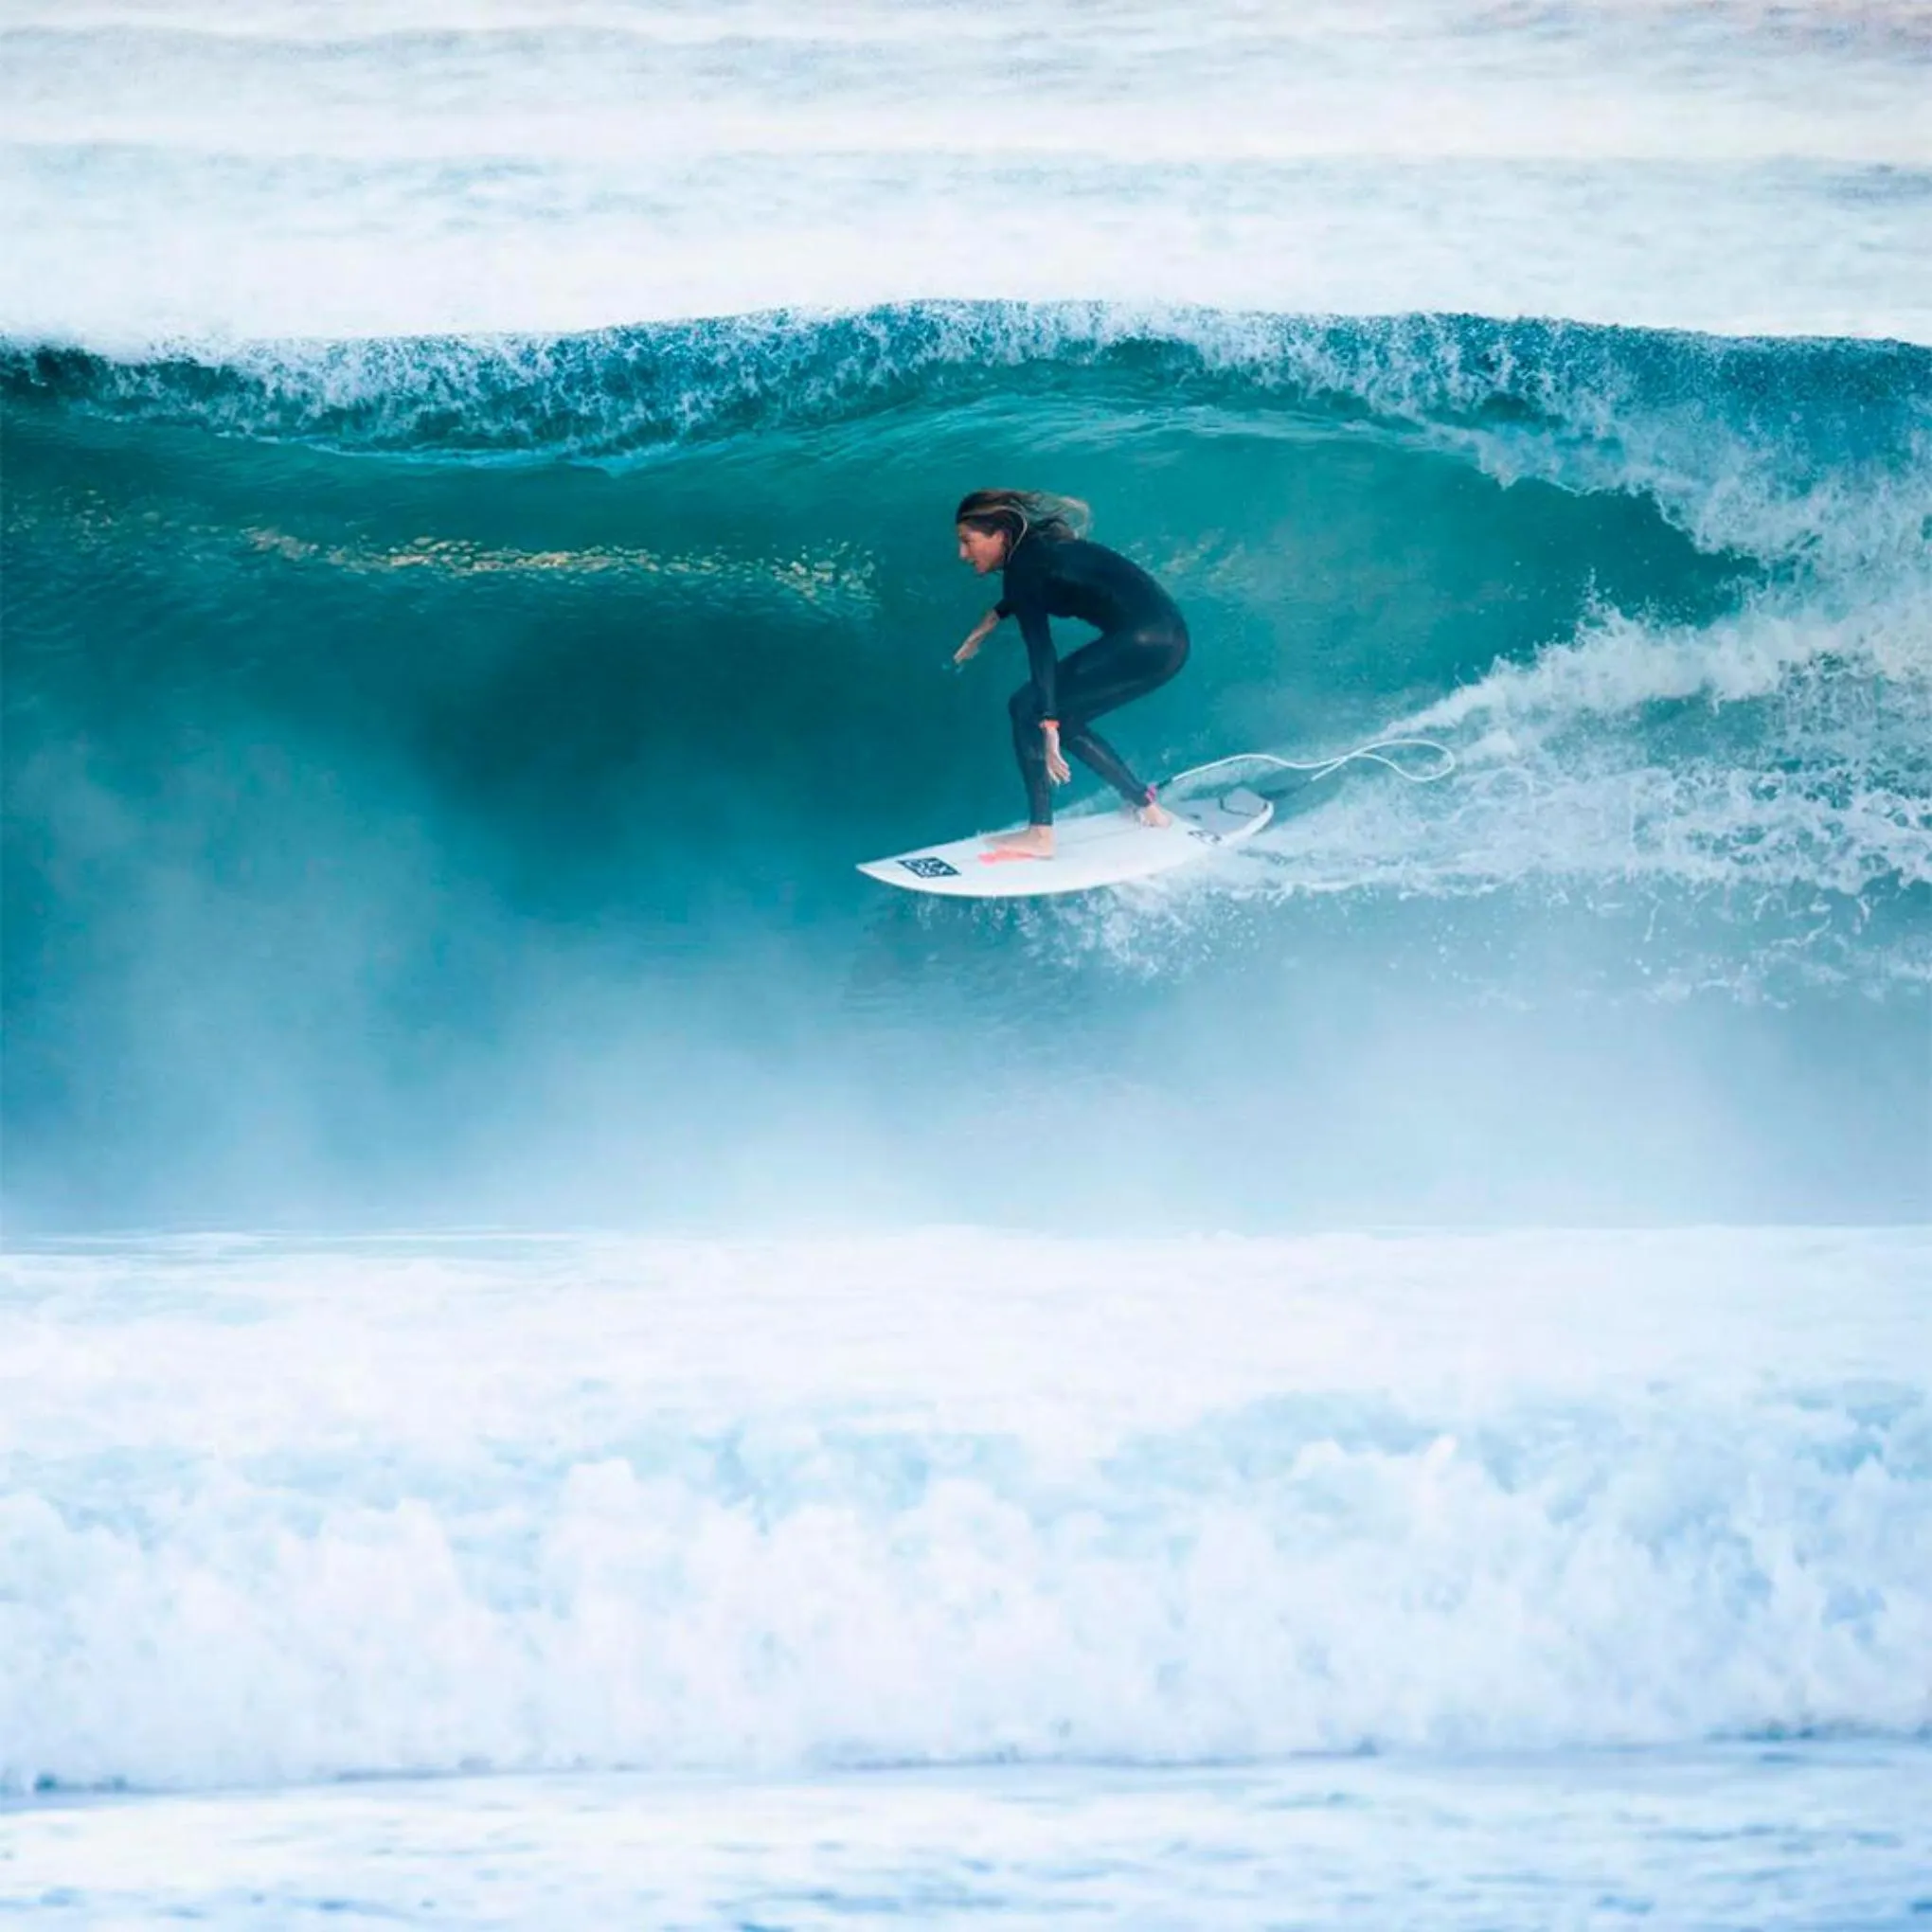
(1097, 849)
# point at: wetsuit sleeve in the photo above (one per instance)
(1025, 598)
(1040, 659)
(1003, 609)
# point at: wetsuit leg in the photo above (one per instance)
(1117, 668)
(1100, 678)
(1031, 749)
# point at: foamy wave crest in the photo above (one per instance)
(1779, 749)
(1786, 746)
(1619, 664)
(1300, 1575)
(512, 1562)
(1753, 789)
(1798, 451)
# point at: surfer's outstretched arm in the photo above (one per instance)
(978, 634)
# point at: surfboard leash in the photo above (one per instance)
(1378, 752)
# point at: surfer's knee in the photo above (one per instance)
(1170, 639)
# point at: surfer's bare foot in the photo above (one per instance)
(1035, 842)
(1151, 814)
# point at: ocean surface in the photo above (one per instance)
(565, 1358)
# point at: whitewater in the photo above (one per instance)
(564, 1359)
(888, 1576)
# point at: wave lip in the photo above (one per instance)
(607, 389)
(1798, 450)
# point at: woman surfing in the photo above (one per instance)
(1052, 571)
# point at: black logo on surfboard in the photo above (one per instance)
(930, 868)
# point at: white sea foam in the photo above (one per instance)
(1758, 784)
(278, 1512)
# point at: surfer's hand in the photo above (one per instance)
(975, 638)
(1057, 767)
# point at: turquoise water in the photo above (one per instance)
(429, 757)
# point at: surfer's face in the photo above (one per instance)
(984, 549)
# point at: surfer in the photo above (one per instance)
(1051, 570)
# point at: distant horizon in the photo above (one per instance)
(229, 176)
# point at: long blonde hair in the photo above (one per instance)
(1022, 514)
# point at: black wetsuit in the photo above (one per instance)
(1143, 641)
